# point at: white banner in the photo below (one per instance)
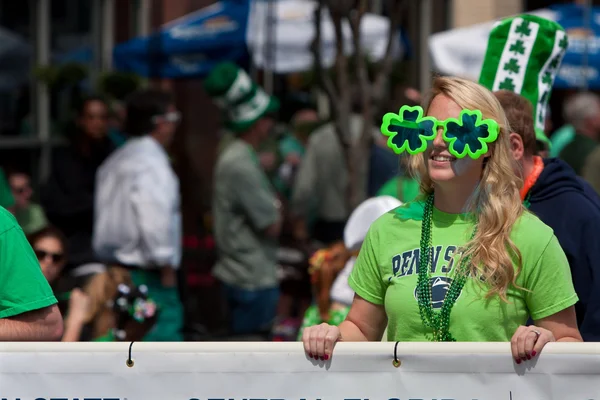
(281, 371)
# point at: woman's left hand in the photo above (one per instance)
(528, 341)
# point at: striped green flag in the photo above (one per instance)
(523, 55)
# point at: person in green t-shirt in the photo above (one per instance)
(28, 308)
(404, 188)
(465, 261)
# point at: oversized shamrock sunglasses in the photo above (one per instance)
(410, 131)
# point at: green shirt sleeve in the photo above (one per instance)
(23, 287)
(255, 196)
(366, 278)
(549, 283)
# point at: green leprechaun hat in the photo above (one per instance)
(242, 100)
(523, 55)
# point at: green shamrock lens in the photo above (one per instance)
(470, 134)
(408, 130)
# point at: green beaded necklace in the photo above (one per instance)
(527, 201)
(438, 322)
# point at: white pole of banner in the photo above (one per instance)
(372, 348)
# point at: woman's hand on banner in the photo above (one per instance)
(320, 340)
(528, 341)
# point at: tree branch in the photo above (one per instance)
(398, 7)
(343, 82)
(364, 84)
(323, 78)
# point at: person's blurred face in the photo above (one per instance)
(167, 124)
(264, 127)
(21, 190)
(51, 257)
(301, 120)
(94, 120)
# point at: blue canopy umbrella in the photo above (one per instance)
(581, 63)
(191, 45)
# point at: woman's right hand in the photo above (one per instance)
(319, 341)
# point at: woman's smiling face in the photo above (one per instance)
(441, 165)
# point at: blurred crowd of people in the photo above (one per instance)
(107, 229)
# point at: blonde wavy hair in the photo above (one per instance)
(102, 289)
(496, 201)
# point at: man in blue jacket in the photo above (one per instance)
(551, 190)
(566, 203)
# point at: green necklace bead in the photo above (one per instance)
(438, 322)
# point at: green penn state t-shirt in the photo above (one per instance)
(23, 287)
(386, 274)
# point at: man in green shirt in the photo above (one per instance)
(28, 308)
(247, 216)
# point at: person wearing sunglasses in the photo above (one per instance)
(29, 215)
(50, 248)
(137, 222)
(49, 245)
(465, 261)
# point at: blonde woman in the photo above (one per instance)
(465, 261)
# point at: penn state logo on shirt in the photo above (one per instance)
(439, 289)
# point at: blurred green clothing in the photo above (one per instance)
(169, 324)
(322, 180)
(283, 180)
(31, 219)
(577, 151)
(290, 144)
(226, 139)
(244, 206)
(6, 198)
(560, 139)
(403, 188)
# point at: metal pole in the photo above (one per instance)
(96, 30)
(377, 7)
(269, 47)
(424, 57)
(587, 21)
(142, 18)
(107, 41)
(42, 95)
